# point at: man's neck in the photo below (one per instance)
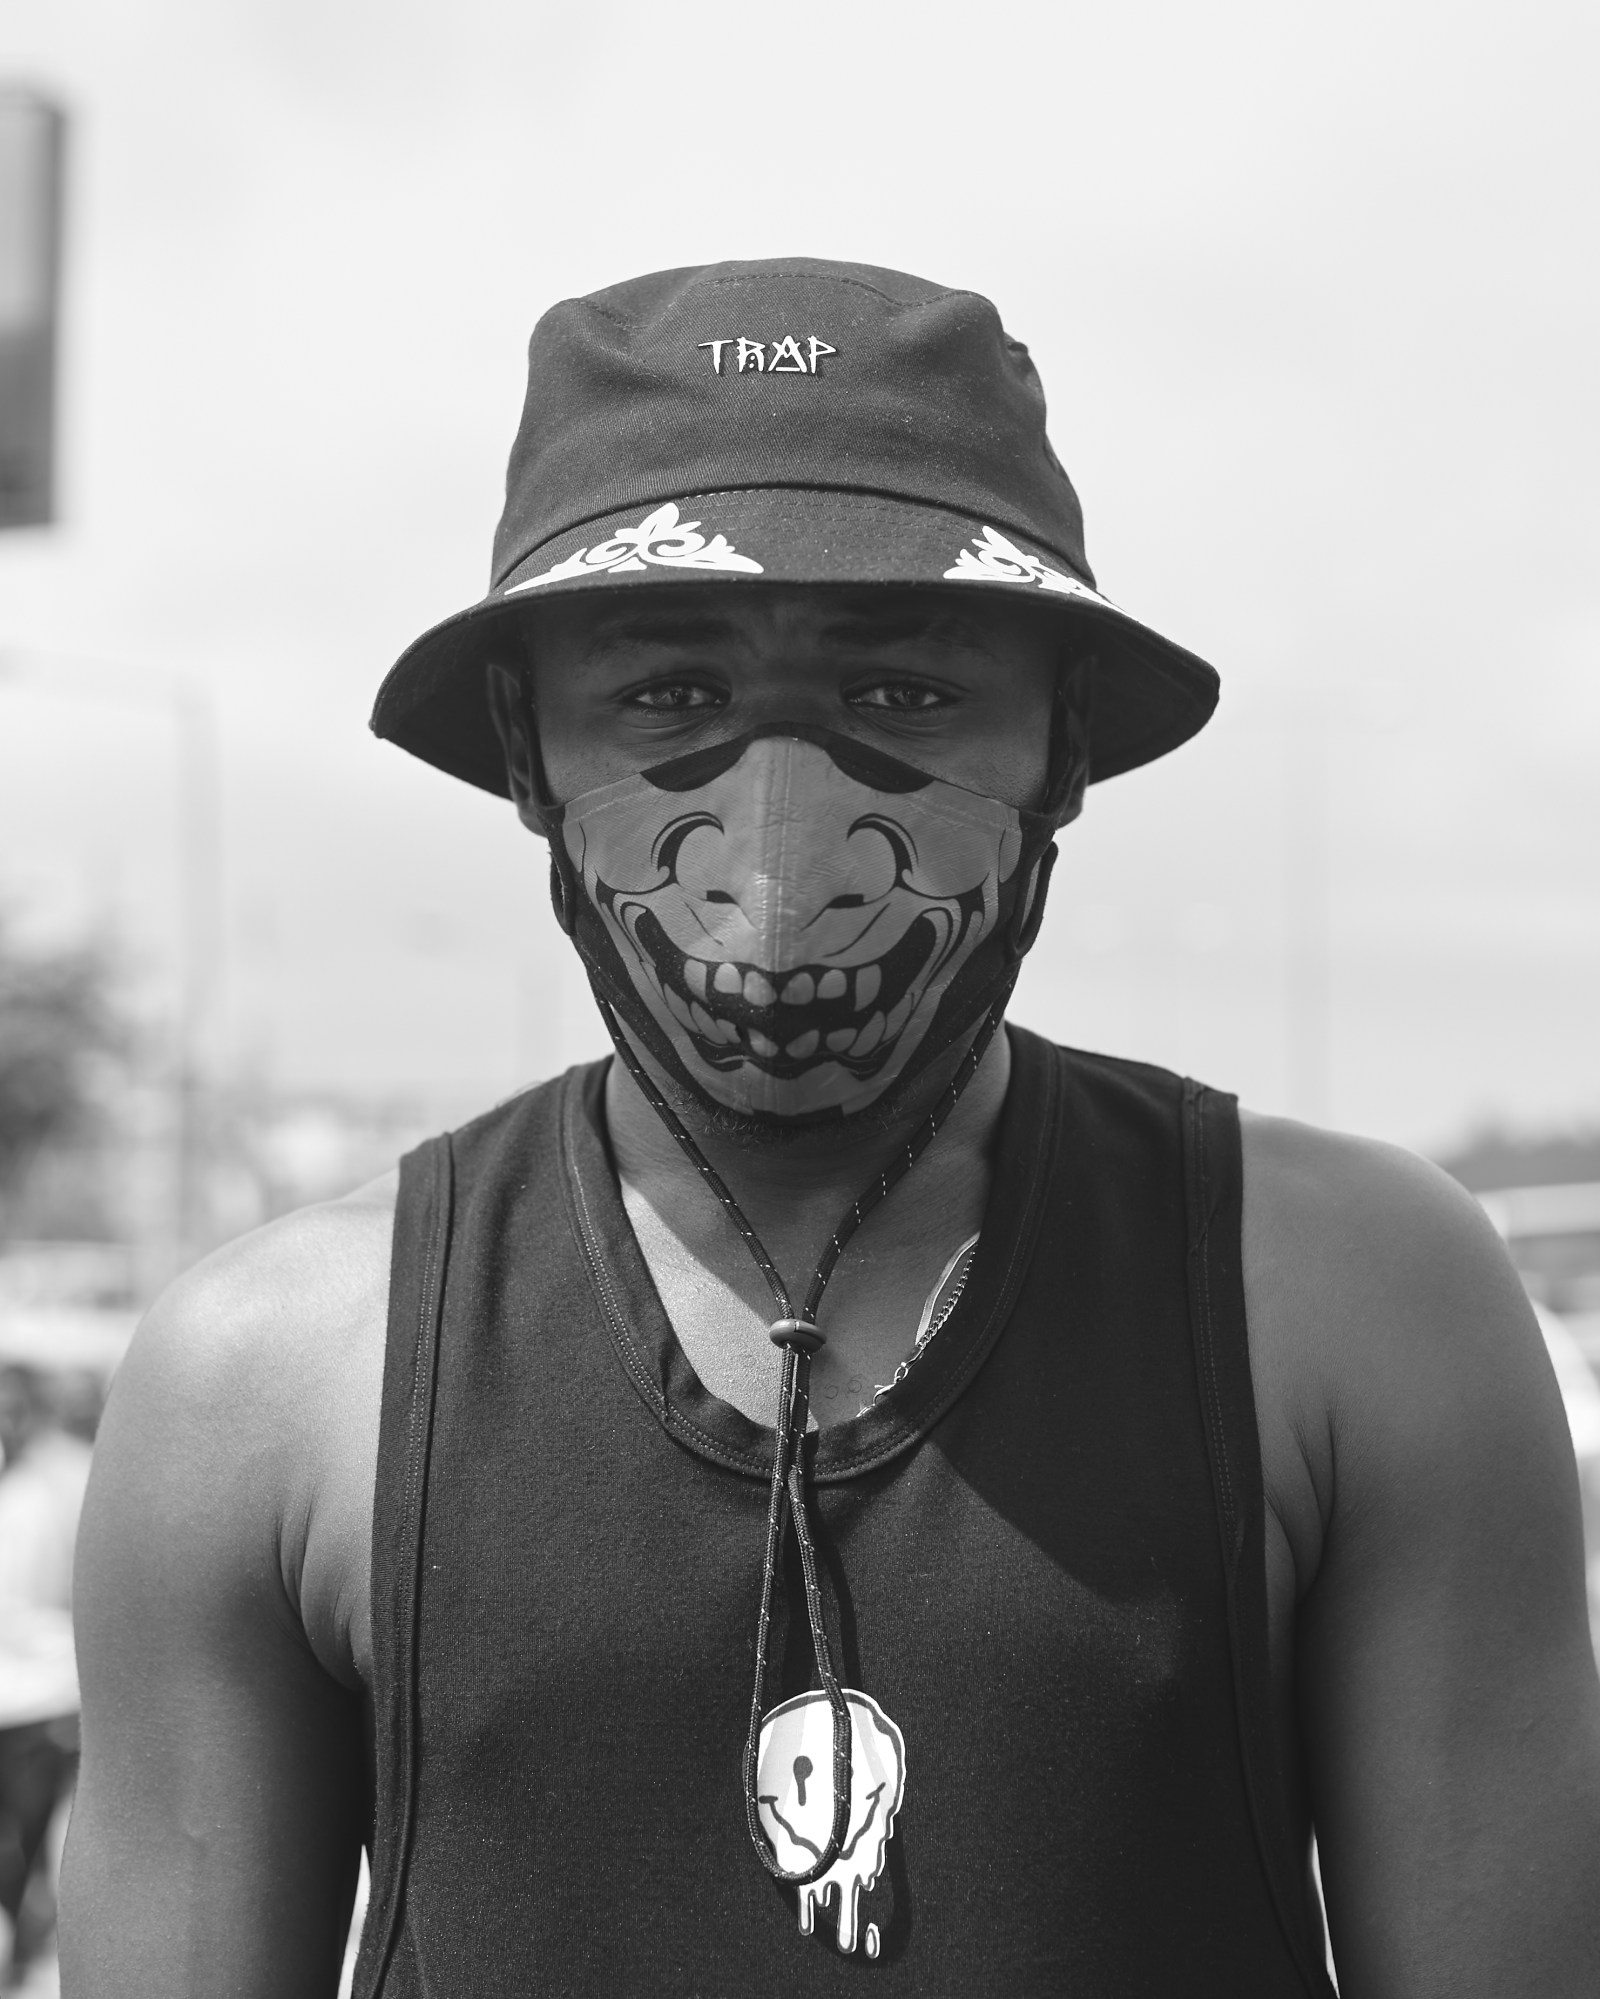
(793, 1190)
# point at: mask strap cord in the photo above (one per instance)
(798, 1338)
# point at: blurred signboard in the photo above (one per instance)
(32, 132)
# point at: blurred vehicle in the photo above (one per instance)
(43, 1420)
(65, 1320)
(1543, 1197)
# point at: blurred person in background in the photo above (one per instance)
(675, 1545)
(46, 1425)
(49, 1448)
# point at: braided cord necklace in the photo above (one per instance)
(796, 1335)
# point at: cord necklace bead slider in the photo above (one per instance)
(797, 1333)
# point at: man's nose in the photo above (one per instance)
(796, 880)
(791, 856)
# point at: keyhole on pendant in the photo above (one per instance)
(802, 1770)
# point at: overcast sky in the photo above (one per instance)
(1315, 297)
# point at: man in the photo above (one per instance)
(844, 1490)
(43, 1470)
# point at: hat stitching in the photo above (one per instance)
(873, 501)
(625, 325)
(600, 311)
(860, 285)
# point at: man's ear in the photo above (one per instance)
(508, 705)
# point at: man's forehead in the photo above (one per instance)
(839, 617)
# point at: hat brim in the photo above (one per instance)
(1150, 695)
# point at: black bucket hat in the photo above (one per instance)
(787, 421)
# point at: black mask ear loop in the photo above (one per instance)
(564, 887)
(1028, 915)
(1070, 716)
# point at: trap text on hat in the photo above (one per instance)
(785, 357)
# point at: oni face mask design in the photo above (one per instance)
(792, 922)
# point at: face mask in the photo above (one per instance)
(792, 923)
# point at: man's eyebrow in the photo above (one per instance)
(937, 628)
(851, 631)
(669, 629)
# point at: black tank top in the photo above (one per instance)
(1043, 1557)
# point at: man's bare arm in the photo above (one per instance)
(216, 1835)
(1447, 1690)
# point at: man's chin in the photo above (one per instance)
(902, 1097)
(757, 1131)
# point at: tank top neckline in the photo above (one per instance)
(660, 1371)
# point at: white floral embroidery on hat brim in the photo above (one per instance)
(1000, 561)
(660, 539)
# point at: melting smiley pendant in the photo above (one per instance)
(794, 1790)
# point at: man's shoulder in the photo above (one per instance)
(257, 1356)
(1393, 1348)
(281, 1291)
(1342, 1223)
(244, 1422)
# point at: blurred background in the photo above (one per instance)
(1314, 295)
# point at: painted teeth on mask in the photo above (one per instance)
(696, 989)
(799, 989)
(870, 1036)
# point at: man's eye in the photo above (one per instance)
(672, 696)
(905, 697)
